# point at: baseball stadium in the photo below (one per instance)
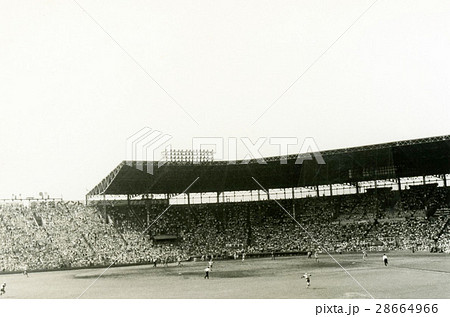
(198, 228)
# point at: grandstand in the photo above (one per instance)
(391, 196)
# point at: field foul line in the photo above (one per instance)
(312, 237)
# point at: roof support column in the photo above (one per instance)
(317, 191)
(399, 184)
(445, 180)
(218, 195)
(331, 190)
(293, 210)
(189, 199)
(357, 187)
(259, 195)
(293, 201)
(105, 215)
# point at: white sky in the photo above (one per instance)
(70, 97)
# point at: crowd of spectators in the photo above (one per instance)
(54, 235)
(69, 235)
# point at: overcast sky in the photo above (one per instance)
(75, 82)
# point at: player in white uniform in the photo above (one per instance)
(364, 255)
(210, 264)
(308, 279)
(385, 260)
(316, 256)
(207, 270)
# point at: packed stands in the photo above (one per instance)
(57, 235)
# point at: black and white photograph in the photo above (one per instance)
(255, 150)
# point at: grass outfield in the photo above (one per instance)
(419, 275)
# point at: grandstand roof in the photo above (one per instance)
(411, 158)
